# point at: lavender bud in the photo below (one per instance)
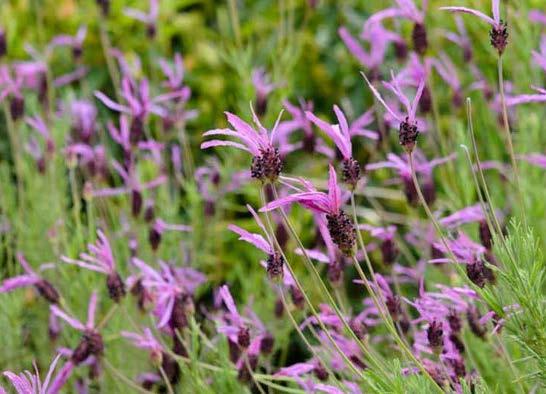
(178, 319)
(149, 212)
(282, 235)
(425, 102)
(266, 344)
(400, 50)
(473, 318)
(279, 308)
(3, 43)
(499, 37)
(393, 306)
(154, 237)
(136, 202)
(456, 341)
(139, 292)
(47, 291)
(309, 142)
(243, 337)
(320, 372)
(351, 172)
(454, 322)
(407, 135)
(389, 251)
(429, 190)
(358, 362)
(410, 191)
(435, 334)
(485, 235)
(261, 105)
(17, 107)
(297, 297)
(275, 263)
(419, 37)
(476, 273)
(359, 328)
(342, 231)
(136, 130)
(91, 344)
(116, 287)
(171, 368)
(104, 6)
(267, 165)
(335, 271)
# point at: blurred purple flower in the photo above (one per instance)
(149, 19)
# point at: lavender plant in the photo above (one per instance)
(396, 241)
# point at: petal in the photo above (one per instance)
(254, 239)
(466, 10)
(213, 143)
(379, 98)
(334, 192)
(70, 320)
(111, 104)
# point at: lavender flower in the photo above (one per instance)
(29, 383)
(263, 87)
(499, 28)
(31, 278)
(539, 57)
(91, 343)
(408, 131)
(73, 42)
(266, 161)
(149, 19)
(101, 259)
(340, 225)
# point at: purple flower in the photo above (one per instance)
(537, 16)
(540, 57)
(159, 227)
(266, 161)
(461, 38)
(149, 19)
(101, 259)
(74, 42)
(447, 70)
(263, 87)
(408, 126)
(527, 98)
(91, 343)
(341, 135)
(31, 278)
(499, 28)
(29, 383)
(145, 341)
(340, 225)
(536, 159)
(378, 38)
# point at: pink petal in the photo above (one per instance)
(466, 10)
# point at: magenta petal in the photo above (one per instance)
(18, 282)
(471, 11)
(254, 239)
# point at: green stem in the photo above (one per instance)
(166, 380)
(508, 136)
(106, 49)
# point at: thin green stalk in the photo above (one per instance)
(325, 291)
(508, 137)
(166, 380)
(234, 15)
(306, 297)
(124, 378)
(107, 317)
(106, 50)
(304, 339)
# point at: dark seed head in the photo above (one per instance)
(136, 202)
(389, 251)
(456, 341)
(351, 172)
(104, 6)
(485, 235)
(91, 344)
(275, 263)
(116, 287)
(499, 37)
(425, 102)
(243, 337)
(17, 107)
(279, 308)
(400, 50)
(267, 165)
(171, 368)
(419, 37)
(454, 322)
(3, 43)
(393, 306)
(407, 135)
(154, 237)
(297, 297)
(266, 344)
(342, 231)
(473, 318)
(261, 104)
(435, 334)
(178, 318)
(47, 291)
(476, 272)
(320, 372)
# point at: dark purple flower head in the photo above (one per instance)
(31, 278)
(73, 42)
(266, 161)
(499, 28)
(408, 125)
(3, 43)
(149, 19)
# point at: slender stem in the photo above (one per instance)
(234, 14)
(166, 379)
(106, 49)
(508, 136)
(107, 317)
(309, 264)
(124, 378)
(303, 338)
(305, 296)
